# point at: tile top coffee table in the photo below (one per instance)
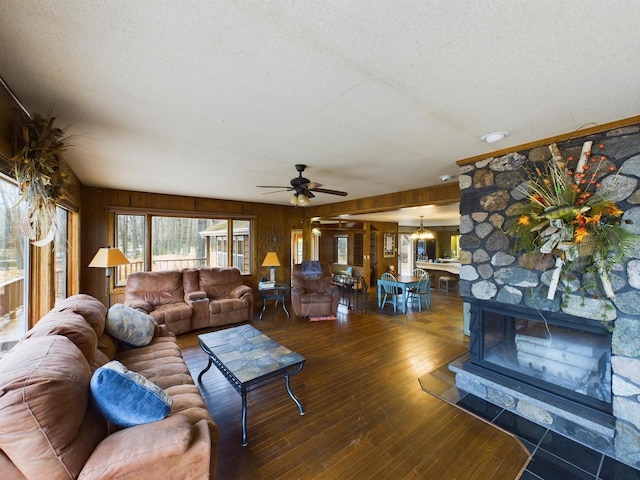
(248, 358)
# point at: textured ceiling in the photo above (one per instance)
(211, 98)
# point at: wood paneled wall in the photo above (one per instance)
(98, 229)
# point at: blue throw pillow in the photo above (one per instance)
(127, 398)
(130, 326)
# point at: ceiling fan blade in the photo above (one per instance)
(273, 186)
(313, 185)
(307, 192)
(277, 191)
(330, 192)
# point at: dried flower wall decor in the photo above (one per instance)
(42, 174)
(569, 214)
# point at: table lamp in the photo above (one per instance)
(271, 260)
(108, 258)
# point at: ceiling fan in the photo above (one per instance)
(303, 188)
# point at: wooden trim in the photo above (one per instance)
(176, 213)
(435, 195)
(13, 97)
(558, 138)
(73, 253)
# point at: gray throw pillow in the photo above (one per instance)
(130, 326)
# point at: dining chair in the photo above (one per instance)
(361, 289)
(392, 291)
(421, 292)
(418, 272)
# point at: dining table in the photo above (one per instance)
(404, 282)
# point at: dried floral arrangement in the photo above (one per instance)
(569, 214)
(42, 174)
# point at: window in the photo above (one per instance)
(14, 249)
(60, 251)
(342, 243)
(130, 239)
(181, 242)
(241, 245)
(176, 243)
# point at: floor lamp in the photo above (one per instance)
(108, 258)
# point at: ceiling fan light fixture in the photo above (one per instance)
(294, 199)
(303, 201)
(495, 136)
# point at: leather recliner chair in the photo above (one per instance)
(313, 293)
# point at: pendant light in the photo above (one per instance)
(422, 233)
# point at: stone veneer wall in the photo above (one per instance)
(492, 271)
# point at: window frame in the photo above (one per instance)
(148, 215)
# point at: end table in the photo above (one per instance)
(277, 293)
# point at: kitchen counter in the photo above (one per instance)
(451, 267)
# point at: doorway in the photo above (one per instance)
(405, 254)
(297, 247)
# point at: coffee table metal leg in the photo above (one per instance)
(205, 370)
(245, 442)
(293, 397)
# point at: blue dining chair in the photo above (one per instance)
(421, 292)
(392, 292)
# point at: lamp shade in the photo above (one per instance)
(271, 260)
(108, 257)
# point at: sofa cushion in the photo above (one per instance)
(46, 427)
(130, 326)
(70, 325)
(219, 282)
(156, 442)
(108, 345)
(176, 316)
(127, 398)
(155, 288)
(160, 362)
(91, 309)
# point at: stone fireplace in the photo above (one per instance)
(570, 363)
(565, 358)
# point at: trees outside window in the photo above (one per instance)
(182, 242)
(14, 265)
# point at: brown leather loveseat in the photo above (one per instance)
(50, 428)
(190, 299)
(313, 293)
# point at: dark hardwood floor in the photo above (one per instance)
(366, 415)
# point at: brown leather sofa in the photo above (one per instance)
(190, 299)
(313, 293)
(49, 428)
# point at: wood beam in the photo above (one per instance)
(436, 195)
(582, 132)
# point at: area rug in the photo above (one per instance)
(320, 319)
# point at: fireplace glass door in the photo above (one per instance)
(548, 355)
